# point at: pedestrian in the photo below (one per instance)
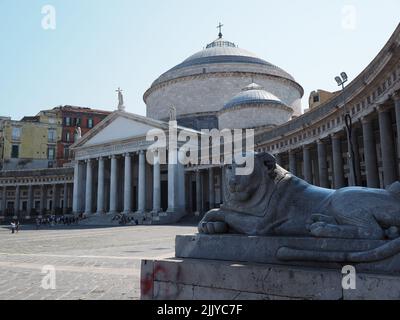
(17, 226)
(12, 227)
(37, 223)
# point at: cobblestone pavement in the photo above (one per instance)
(90, 263)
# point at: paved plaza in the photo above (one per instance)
(90, 263)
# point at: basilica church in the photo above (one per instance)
(220, 87)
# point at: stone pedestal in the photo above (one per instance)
(229, 267)
(194, 279)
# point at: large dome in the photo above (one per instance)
(201, 85)
(223, 52)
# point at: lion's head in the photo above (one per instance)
(241, 188)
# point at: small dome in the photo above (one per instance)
(252, 94)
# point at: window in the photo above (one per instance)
(77, 121)
(90, 123)
(52, 135)
(67, 121)
(316, 98)
(15, 151)
(52, 120)
(67, 137)
(16, 133)
(66, 152)
(51, 152)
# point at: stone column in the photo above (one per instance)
(65, 199)
(338, 172)
(113, 185)
(397, 111)
(180, 177)
(322, 165)
(190, 192)
(30, 201)
(156, 184)
(77, 188)
(222, 186)
(371, 162)
(307, 164)
(100, 187)
(357, 173)
(17, 200)
(4, 201)
(142, 183)
(292, 162)
(128, 184)
(211, 188)
(387, 147)
(89, 187)
(172, 183)
(198, 193)
(53, 199)
(43, 198)
(278, 158)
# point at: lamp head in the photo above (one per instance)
(339, 81)
(344, 76)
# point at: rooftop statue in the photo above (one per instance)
(172, 113)
(121, 106)
(273, 202)
(78, 133)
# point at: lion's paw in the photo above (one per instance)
(210, 227)
(323, 229)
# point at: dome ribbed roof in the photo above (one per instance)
(252, 94)
(222, 51)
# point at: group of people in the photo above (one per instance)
(123, 219)
(54, 220)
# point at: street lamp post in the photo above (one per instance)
(341, 80)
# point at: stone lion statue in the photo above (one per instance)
(273, 202)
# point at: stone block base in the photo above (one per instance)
(231, 247)
(195, 279)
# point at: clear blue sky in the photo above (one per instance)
(99, 45)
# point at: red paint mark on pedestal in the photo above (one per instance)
(147, 283)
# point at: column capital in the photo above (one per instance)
(320, 141)
(127, 154)
(382, 108)
(337, 135)
(88, 161)
(114, 156)
(366, 119)
(396, 95)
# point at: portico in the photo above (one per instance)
(115, 172)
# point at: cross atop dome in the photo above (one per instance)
(220, 30)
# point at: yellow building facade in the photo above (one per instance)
(31, 142)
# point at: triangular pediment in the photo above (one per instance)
(119, 126)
